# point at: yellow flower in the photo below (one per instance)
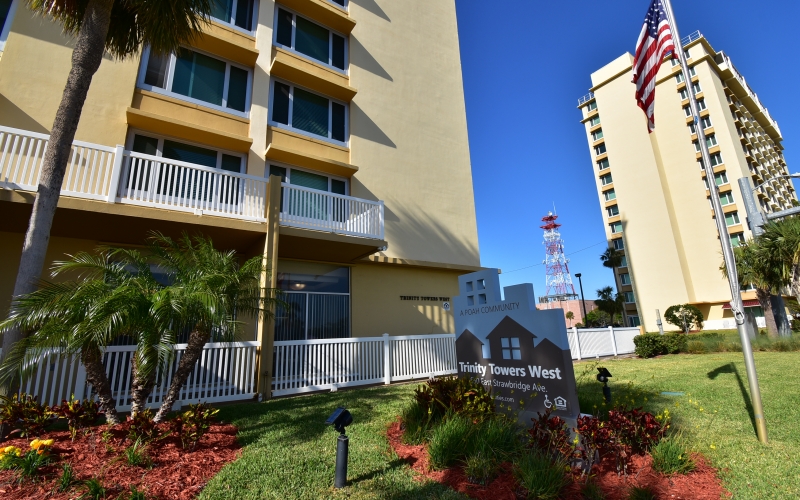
(713, 446)
(35, 444)
(49, 442)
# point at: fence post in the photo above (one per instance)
(577, 342)
(613, 340)
(387, 360)
(116, 171)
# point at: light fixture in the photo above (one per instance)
(339, 419)
(603, 377)
(297, 286)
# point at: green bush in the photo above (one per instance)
(496, 437)
(450, 441)
(649, 345)
(542, 477)
(675, 342)
(696, 347)
(416, 423)
(590, 490)
(442, 395)
(671, 457)
(480, 468)
(637, 493)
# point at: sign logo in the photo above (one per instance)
(446, 306)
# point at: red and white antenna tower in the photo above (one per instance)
(558, 279)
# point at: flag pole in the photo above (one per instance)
(727, 249)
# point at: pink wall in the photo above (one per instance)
(570, 305)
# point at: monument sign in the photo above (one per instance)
(519, 353)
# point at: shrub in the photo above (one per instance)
(23, 414)
(449, 441)
(79, 414)
(637, 493)
(452, 394)
(136, 455)
(590, 490)
(551, 435)
(192, 424)
(649, 345)
(94, 490)
(636, 428)
(675, 342)
(66, 479)
(142, 426)
(684, 317)
(26, 464)
(671, 457)
(496, 437)
(480, 468)
(541, 476)
(696, 347)
(416, 423)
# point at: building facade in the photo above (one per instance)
(653, 191)
(328, 135)
(574, 306)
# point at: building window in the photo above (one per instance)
(300, 35)
(701, 106)
(7, 10)
(624, 261)
(597, 134)
(340, 3)
(303, 178)
(595, 120)
(603, 164)
(711, 140)
(726, 198)
(684, 95)
(600, 149)
(613, 210)
(239, 13)
(705, 122)
(721, 178)
(618, 244)
(716, 159)
(696, 88)
(190, 153)
(737, 239)
(679, 76)
(616, 227)
(591, 106)
(316, 301)
(196, 77)
(610, 195)
(633, 321)
(300, 109)
(629, 297)
(732, 218)
(511, 348)
(606, 179)
(625, 278)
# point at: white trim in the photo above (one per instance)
(230, 24)
(290, 167)
(160, 148)
(345, 7)
(170, 72)
(289, 126)
(6, 28)
(328, 64)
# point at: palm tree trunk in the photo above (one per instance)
(194, 349)
(96, 375)
(141, 388)
(86, 58)
(795, 284)
(766, 306)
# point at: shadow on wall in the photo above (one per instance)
(360, 56)
(362, 126)
(12, 115)
(373, 7)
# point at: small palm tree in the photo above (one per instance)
(782, 240)
(114, 296)
(570, 316)
(612, 259)
(119, 28)
(211, 293)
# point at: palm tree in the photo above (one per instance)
(570, 316)
(782, 240)
(211, 293)
(119, 28)
(115, 295)
(612, 259)
(610, 303)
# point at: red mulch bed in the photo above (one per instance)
(176, 473)
(701, 484)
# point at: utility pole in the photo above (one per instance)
(727, 249)
(583, 301)
(755, 218)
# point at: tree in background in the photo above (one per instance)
(119, 28)
(684, 316)
(597, 318)
(781, 241)
(612, 259)
(570, 316)
(611, 304)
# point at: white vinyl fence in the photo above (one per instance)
(313, 365)
(594, 342)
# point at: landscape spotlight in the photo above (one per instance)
(339, 419)
(603, 377)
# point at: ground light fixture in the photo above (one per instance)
(339, 419)
(603, 377)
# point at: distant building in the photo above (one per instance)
(656, 207)
(573, 306)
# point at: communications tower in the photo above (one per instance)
(558, 280)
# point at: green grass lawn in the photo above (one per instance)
(289, 453)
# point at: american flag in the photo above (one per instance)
(655, 42)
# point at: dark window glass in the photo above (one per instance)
(284, 36)
(231, 163)
(337, 51)
(199, 76)
(337, 122)
(190, 154)
(5, 6)
(310, 112)
(275, 170)
(244, 14)
(221, 9)
(145, 145)
(309, 180)
(237, 89)
(156, 74)
(335, 281)
(337, 187)
(340, 2)
(311, 39)
(280, 103)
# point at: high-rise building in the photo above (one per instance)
(653, 191)
(327, 135)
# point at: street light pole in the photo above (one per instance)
(583, 302)
(755, 219)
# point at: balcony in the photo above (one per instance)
(114, 175)
(736, 81)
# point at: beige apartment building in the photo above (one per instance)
(328, 135)
(653, 191)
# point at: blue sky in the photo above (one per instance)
(526, 63)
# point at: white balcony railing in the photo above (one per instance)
(312, 209)
(117, 176)
(739, 78)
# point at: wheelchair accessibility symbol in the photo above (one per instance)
(547, 402)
